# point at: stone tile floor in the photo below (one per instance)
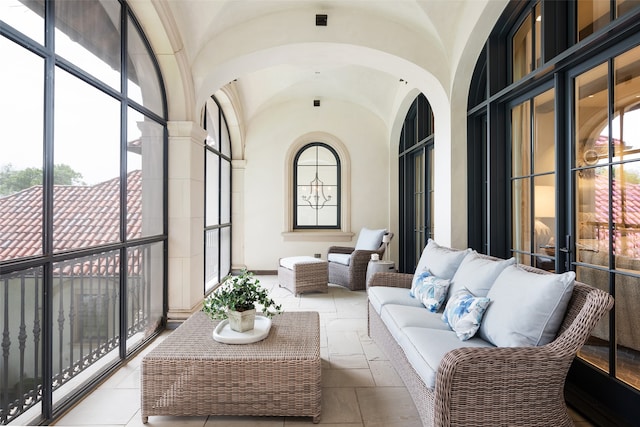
(360, 387)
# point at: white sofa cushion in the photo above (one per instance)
(526, 308)
(425, 348)
(379, 296)
(477, 274)
(440, 261)
(343, 259)
(397, 317)
(369, 240)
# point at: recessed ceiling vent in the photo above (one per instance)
(321, 20)
(316, 102)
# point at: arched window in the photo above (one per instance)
(316, 187)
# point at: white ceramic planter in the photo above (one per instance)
(242, 321)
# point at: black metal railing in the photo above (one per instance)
(86, 300)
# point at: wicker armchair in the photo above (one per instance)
(499, 386)
(353, 276)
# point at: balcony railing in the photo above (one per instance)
(86, 322)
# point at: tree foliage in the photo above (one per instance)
(12, 181)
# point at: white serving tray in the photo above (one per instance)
(223, 332)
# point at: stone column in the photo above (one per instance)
(186, 218)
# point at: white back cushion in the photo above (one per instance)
(369, 240)
(526, 308)
(440, 261)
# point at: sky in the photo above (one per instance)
(86, 121)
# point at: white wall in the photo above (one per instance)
(268, 139)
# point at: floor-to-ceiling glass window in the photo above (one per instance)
(217, 231)
(82, 199)
(416, 182)
(533, 195)
(558, 86)
(607, 208)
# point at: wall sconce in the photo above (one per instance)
(316, 197)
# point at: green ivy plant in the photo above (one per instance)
(239, 293)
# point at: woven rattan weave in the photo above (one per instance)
(306, 276)
(190, 374)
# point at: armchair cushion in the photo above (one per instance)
(526, 307)
(344, 259)
(369, 240)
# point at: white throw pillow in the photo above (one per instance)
(478, 274)
(526, 308)
(369, 240)
(463, 313)
(417, 280)
(432, 292)
(440, 261)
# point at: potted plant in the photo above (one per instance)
(236, 300)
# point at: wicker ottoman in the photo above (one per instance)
(191, 374)
(302, 274)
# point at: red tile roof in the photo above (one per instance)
(84, 216)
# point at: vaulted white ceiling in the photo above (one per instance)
(370, 54)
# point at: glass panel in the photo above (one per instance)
(26, 19)
(626, 120)
(86, 306)
(327, 216)
(544, 244)
(591, 117)
(21, 295)
(592, 16)
(544, 155)
(212, 124)
(521, 211)
(225, 251)
(212, 189)
(21, 152)
(306, 215)
(87, 155)
(521, 140)
(592, 217)
(628, 321)
(625, 6)
(538, 42)
(225, 192)
(88, 35)
(224, 138)
(308, 156)
(143, 84)
(325, 157)
(328, 175)
(431, 191)
(212, 252)
(522, 45)
(596, 349)
(144, 292)
(144, 176)
(306, 174)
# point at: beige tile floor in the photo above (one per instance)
(360, 387)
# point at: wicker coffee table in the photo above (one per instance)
(191, 374)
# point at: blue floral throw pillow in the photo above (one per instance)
(417, 281)
(464, 312)
(432, 292)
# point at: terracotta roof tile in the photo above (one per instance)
(83, 216)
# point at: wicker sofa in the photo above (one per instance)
(475, 382)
